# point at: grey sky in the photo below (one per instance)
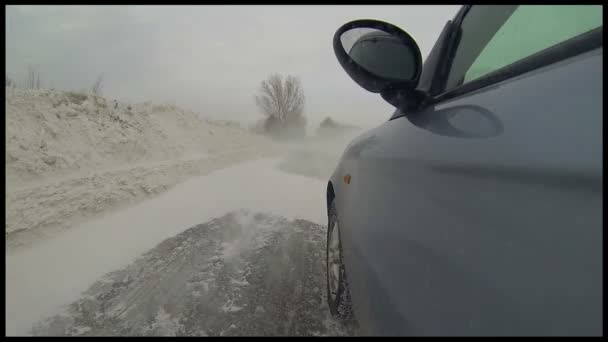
(210, 59)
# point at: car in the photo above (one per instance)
(476, 209)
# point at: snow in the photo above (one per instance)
(230, 307)
(164, 325)
(41, 280)
(72, 157)
(44, 140)
(81, 330)
(93, 184)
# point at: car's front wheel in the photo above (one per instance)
(338, 294)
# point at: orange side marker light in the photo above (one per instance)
(347, 179)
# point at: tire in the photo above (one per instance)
(338, 298)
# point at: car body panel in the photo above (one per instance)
(481, 215)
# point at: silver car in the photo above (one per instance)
(477, 208)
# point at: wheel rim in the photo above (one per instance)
(333, 265)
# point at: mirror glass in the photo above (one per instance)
(380, 53)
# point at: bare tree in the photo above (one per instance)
(33, 78)
(279, 98)
(98, 85)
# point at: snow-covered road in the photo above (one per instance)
(43, 279)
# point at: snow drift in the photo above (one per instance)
(70, 156)
(51, 132)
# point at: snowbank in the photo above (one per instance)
(72, 156)
(54, 273)
(54, 132)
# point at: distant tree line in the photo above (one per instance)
(33, 80)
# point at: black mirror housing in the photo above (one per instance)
(380, 57)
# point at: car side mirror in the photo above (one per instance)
(381, 58)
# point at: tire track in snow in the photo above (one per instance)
(241, 274)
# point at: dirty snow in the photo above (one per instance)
(52, 132)
(54, 273)
(71, 157)
(186, 227)
(162, 293)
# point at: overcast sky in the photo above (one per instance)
(210, 59)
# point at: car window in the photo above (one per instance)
(496, 36)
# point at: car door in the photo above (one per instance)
(481, 213)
